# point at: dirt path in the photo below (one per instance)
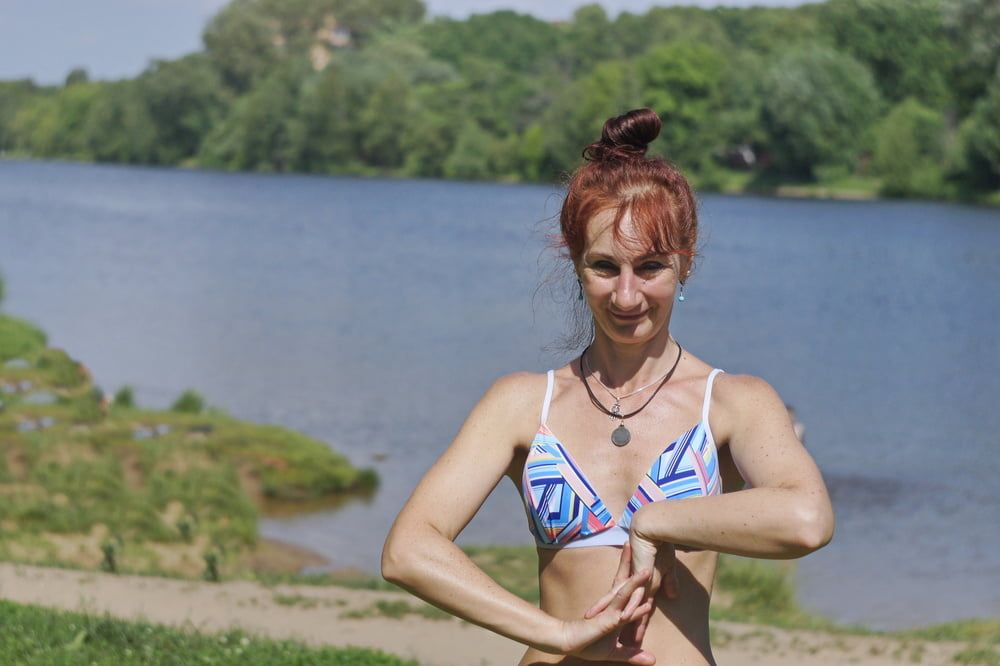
(341, 617)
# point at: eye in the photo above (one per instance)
(652, 267)
(604, 266)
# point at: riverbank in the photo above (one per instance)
(721, 181)
(397, 623)
(91, 481)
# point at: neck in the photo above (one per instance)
(625, 367)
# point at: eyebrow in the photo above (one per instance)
(601, 255)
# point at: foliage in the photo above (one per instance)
(189, 402)
(348, 87)
(908, 150)
(124, 398)
(980, 140)
(817, 105)
(904, 44)
(46, 638)
(19, 338)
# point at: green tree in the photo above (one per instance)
(13, 96)
(637, 33)
(589, 39)
(472, 155)
(904, 44)
(52, 125)
(77, 75)
(974, 27)
(241, 43)
(257, 134)
(118, 127)
(766, 30)
(817, 106)
(576, 118)
(681, 81)
(517, 41)
(189, 402)
(185, 100)
(980, 141)
(909, 149)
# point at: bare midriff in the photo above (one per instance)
(573, 579)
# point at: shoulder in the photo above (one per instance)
(741, 390)
(517, 389)
(514, 402)
(740, 401)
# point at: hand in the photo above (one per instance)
(660, 559)
(596, 637)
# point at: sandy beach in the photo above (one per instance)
(398, 623)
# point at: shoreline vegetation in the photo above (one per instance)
(835, 99)
(97, 482)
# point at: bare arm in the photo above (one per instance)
(784, 513)
(420, 554)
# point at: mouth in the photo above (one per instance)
(632, 317)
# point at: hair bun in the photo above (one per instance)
(625, 137)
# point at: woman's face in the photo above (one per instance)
(630, 290)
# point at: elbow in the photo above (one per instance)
(815, 528)
(395, 562)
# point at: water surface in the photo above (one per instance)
(373, 313)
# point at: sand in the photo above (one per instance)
(323, 616)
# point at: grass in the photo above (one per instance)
(396, 610)
(169, 488)
(44, 637)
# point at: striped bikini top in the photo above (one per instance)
(564, 510)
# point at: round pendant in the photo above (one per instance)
(621, 436)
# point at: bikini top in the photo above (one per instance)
(564, 510)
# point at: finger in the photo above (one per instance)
(643, 609)
(640, 630)
(633, 602)
(632, 655)
(624, 566)
(671, 585)
(601, 604)
(624, 593)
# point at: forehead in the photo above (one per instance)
(602, 239)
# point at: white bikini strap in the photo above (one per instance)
(708, 394)
(548, 397)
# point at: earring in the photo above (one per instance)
(580, 285)
(680, 297)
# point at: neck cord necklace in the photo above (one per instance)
(621, 435)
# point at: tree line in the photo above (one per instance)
(904, 94)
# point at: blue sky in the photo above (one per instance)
(44, 39)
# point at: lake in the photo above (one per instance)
(373, 313)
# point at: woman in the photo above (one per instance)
(628, 515)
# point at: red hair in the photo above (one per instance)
(618, 177)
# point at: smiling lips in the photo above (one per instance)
(624, 317)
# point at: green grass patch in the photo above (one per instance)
(979, 630)
(979, 655)
(74, 464)
(396, 610)
(515, 568)
(44, 637)
(19, 338)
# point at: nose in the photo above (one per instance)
(626, 294)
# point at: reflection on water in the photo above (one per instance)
(371, 314)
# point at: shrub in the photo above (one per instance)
(189, 402)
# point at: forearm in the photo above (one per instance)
(433, 568)
(774, 523)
